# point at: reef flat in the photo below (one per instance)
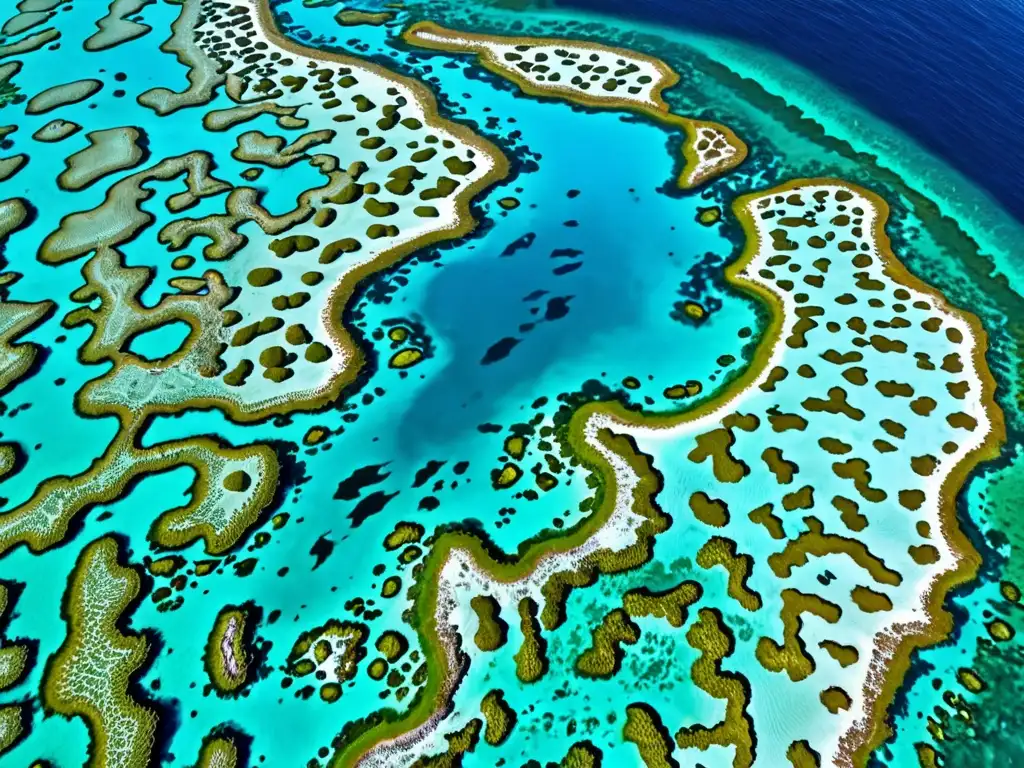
(324, 356)
(444, 384)
(90, 676)
(596, 76)
(818, 255)
(229, 656)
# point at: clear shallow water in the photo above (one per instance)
(642, 252)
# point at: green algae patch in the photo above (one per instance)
(836, 700)
(546, 481)
(354, 18)
(315, 436)
(220, 750)
(500, 717)
(870, 601)
(603, 658)
(405, 358)
(166, 566)
(391, 587)
(694, 311)
(713, 512)
(1010, 592)
(260, 277)
(846, 655)
(206, 567)
(336, 648)
(691, 388)
(506, 477)
(392, 645)
(970, 680)
(330, 692)
(715, 641)
(515, 446)
(799, 499)
(237, 481)
(800, 755)
(772, 523)
(377, 668)
(410, 554)
(91, 674)
(721, 551)
(670, 604)
(1000, 631)
(531, 658)
(779, 466)
(404, 533)
(317, 353)
(716, 445)
(492, 631)
(228, 656)
(709, 216)
(645, 729)
(791, 656)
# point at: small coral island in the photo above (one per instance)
(230, 660)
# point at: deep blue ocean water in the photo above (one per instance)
(950, 74)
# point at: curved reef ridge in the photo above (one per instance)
(596, 76)
(878, 402)
(276, 303)
(16, 660)
(16, 319)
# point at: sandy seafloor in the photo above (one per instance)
(642, 253)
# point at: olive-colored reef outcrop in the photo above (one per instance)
(16, 319)
(228, 658)
(92, 674)
(15, 662)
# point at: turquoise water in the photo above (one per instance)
(642, 254)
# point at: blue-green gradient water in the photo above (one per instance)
(590, 288)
